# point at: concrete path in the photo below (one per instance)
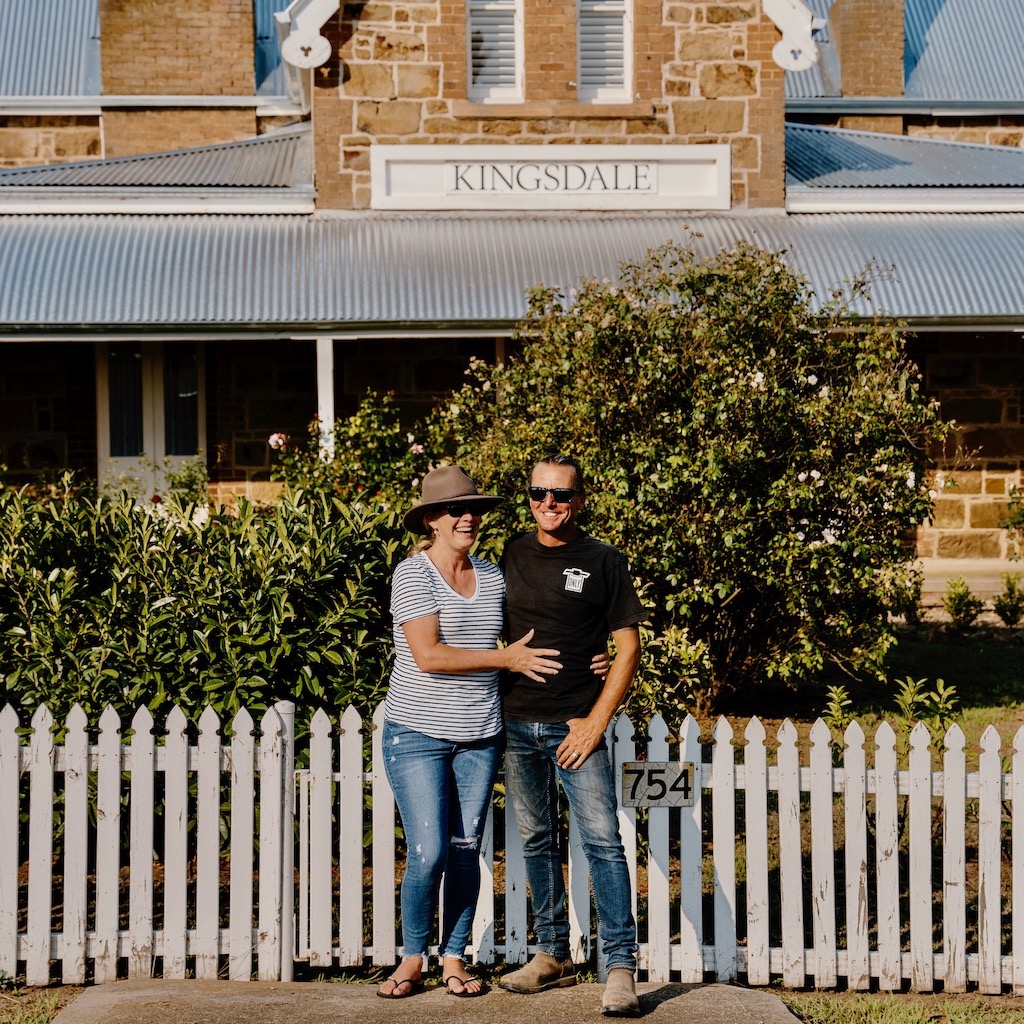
(252, 1002)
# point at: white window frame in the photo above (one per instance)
(496, 93)
(589, 92)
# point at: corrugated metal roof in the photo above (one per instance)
(954, 51)
(49, 48)
(964, 49)
(838, 158)
(69, 275)
(823, 78)
(278, 160)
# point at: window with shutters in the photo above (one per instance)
(604, 47)
(495, 51)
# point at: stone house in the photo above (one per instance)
(218, 223)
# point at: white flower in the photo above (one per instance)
(815, 475)
(911, 480)
(828, 536)
(800, 535)
(757, 381)
(811, 379)
(277, 440)
(823, 393)
(801, 477)
(416, 449)
(410, 438)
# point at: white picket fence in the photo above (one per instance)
(806, 874)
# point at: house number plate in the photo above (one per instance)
(657, 784)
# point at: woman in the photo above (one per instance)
(442, 736)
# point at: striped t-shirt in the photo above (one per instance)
(463, 706)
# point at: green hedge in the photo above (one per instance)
(106, 601)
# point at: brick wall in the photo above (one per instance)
(167, 47)
(702, 74)
(127, 132)
(868, 35)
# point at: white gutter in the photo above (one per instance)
(965, 199)
(267, 105)
(26, 200)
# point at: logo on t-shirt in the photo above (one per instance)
(574, 580)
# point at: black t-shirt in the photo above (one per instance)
(573, 595)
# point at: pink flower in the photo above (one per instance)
(277, 441)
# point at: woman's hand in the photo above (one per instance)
(600, 664)
(534, 663)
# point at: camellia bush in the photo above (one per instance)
(104, 600)
(759, 457)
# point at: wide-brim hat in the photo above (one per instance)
(447, 485)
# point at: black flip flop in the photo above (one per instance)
(414, 987)
(464, 992)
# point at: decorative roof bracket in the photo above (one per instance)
(796, 51)
(298, 27)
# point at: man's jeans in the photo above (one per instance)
(532, 774)
(443, 792)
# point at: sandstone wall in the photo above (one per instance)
(30, 140)
(979, 380)
(703, 74)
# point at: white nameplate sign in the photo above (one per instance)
(581, 177)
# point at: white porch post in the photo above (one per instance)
(325, 392)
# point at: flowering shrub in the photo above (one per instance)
(367, 457)
(760, 462)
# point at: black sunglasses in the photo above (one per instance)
(457, 511)
(563, 495)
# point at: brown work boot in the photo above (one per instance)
(620, 994)
(542, 972)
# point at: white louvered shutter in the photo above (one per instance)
(495, 50)
(604, 45)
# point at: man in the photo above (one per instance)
(573, 591)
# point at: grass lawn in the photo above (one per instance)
(864, 1008)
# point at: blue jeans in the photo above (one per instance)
(443, 791)
(532, 775)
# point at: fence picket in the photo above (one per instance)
(579, 896)
(243, 785)
(887, 884)
(989, 864)
(922, 973)
(659, 952)
(1017, 860)
(755, 828)
(271, 860)
(320, 860)
(515, 889)
(823, 865)
(176, 817)
(691, 855)
(76, 846)
(624, 749)
(10, 757)
(350, 838)
(108, 846)
(723, 841)
(790, 860)
(954, 873)
(140, 855)
(383, 854)
(40, 849)
(858, 975)
(207, 931)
